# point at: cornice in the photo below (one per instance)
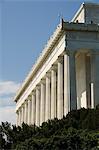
(82, 27)
(61, 28)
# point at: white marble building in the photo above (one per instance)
(66, 75)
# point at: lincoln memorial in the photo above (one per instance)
(66, 75)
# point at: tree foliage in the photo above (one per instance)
(79, 130)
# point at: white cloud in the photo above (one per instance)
(7, 92)
(7, 105)
(6, 101)
(8, 87)
(8, 114)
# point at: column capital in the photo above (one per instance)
(29, 97)
(33, 92)
(54, 67)
(38, 87)
(42, 81)
(70, 52)
(26, 101)
(19, 108)
(48, 74)
(22, 105)
(66, 52)
(60, 59)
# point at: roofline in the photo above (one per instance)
(78, 12)
(61, 28)
(83, 5)
(35, 67)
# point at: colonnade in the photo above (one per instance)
(54, 96)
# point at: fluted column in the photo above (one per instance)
(42, 105)
(72, 72)
(66, 85)
(94, 78)
(33, 113)
(29, 110)
(53, 92)
(22, 115)
(60, 88)
(19, 117)
(25, 112)
(37, 105)
(48, 104)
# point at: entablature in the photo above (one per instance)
(78, 35)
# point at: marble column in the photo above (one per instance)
(42, 105)
(19, 117)
(53, 92)
(48, 103)
(94, 78)
(38, 105)
(66, 85)
(25, 112)
(60, 88)
(72, 72)
(92, 96)
(29, 110)
(88, 81)
(22, 115)
(33, 113)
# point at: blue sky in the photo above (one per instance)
(25, 27)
